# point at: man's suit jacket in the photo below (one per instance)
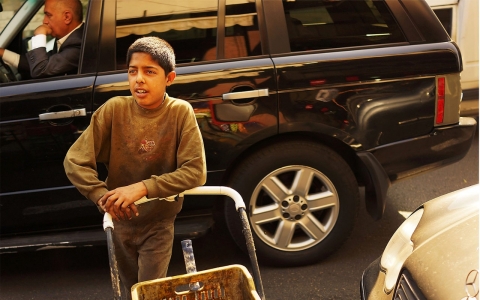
(42, 64)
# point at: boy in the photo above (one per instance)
(152, 147)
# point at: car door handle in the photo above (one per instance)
(63, 114)
(246, 94)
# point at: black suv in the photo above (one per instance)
(300, 103)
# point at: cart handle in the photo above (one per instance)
(219, 190)
(203, 190)
(107, 221)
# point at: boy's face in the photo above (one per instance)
(147, 80)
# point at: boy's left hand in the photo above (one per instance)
(120, 201)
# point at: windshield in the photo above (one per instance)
(10, 8)
(15, 15)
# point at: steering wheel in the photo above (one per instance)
(6, 73)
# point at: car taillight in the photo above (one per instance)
(440, 100)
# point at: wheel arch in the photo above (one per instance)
(367, 171)
(346, 152)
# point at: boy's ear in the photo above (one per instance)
(171, 77)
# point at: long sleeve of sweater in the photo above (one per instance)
(191, 166)
(81, 160)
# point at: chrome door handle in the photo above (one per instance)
(63, 114)
(246, 94)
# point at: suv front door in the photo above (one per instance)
(39, 120)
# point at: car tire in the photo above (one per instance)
(316, 200)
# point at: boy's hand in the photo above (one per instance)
(119, 202)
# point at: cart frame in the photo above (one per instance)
(203, 190)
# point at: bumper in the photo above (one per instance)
(371, 285)
(445, 145)
(469, 104)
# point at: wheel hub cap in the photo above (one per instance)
(294, 207)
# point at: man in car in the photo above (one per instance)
(63, 21)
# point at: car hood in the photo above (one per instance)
(446, 244)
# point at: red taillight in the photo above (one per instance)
(317, 82)
(440, 100)
(352, 78)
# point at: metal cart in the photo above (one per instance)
(228, 282)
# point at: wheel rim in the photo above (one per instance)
(294, 208)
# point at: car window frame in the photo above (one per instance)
(221, 13)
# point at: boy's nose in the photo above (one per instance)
(139, 78)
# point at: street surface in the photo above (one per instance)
(83, 273)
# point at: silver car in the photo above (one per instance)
(433, 255)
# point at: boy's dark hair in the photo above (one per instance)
(159, 50)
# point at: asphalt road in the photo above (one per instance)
(83, 273)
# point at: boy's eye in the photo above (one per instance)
(132, 71)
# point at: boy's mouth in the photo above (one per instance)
(141, 91)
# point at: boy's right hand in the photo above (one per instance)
(120, 201)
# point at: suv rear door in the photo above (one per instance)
(356, 74)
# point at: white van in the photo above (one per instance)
(460, 19)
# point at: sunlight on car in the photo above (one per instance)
(405, 214)
(398, 249)
(430, 254)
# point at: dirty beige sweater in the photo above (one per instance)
(162, 147)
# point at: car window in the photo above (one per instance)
(23, 17)
(445, 16)
(190, 27)
(242, 37)
(36, 21)
(333, 24)
(10, 8)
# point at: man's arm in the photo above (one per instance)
(10, 58)
(43, 64)
(39, 40)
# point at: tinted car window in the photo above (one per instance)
(242, 37)
(333, 24)
(191, 28)
(445, 17)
